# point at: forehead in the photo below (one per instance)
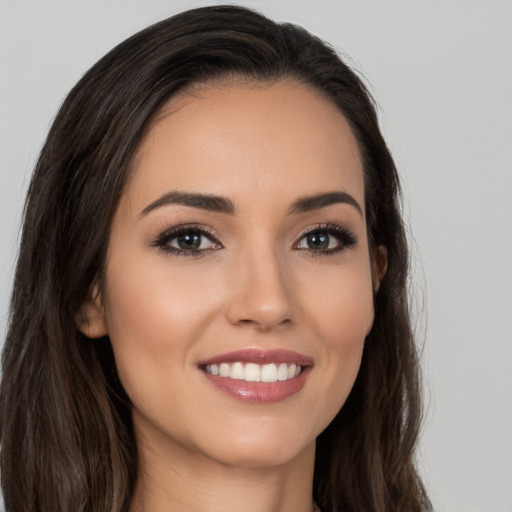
(228, 139)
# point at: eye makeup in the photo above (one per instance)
(188, 240)
(325, 239)
(197, 240)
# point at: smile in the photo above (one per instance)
(253, 372)
(258, 376)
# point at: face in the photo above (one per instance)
(238, 288)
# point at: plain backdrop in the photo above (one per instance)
(441, 72)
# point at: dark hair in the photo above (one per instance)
(66, 431)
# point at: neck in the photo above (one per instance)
(178, 479)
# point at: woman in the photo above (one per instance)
(209, 309)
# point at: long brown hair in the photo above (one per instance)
(66, 431)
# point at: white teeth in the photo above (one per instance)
(269, 373)
(223, 370)
(237, 371)
(282, 372)
(252, 372)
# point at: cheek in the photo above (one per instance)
(340, 302)
(153, 302)
(344, 330)
(154, 316)
(342, 315)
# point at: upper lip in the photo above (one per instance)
(257, 356)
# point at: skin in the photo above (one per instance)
(258, 285)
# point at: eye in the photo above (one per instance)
(190, 241)
(326, 239)
(187, 240)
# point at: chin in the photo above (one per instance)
(264, 455)
(265, 446)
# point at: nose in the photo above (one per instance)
(260, 293)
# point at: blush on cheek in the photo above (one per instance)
(345, 337)
(346, 324)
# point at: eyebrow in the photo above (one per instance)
(223, 205)
(306, 204)
(203, 201)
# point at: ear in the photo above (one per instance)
(91, 318)
(380, 266)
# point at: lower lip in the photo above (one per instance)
(260, 392)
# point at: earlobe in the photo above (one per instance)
(91, 317)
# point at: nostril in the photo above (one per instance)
(263, 324)
(261, 298)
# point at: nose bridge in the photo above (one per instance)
(260, 288)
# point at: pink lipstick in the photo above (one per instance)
(254, 375)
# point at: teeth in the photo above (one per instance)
(224, 370)
(252, 372)
(236, 371)
(269, 373)
(282, 372)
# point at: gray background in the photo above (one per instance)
(442, 74)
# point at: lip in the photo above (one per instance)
(259, 392)
(257, 356)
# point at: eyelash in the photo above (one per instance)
(346, 239)
(162, 242)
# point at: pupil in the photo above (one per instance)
(318, 241)
(189, 241)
